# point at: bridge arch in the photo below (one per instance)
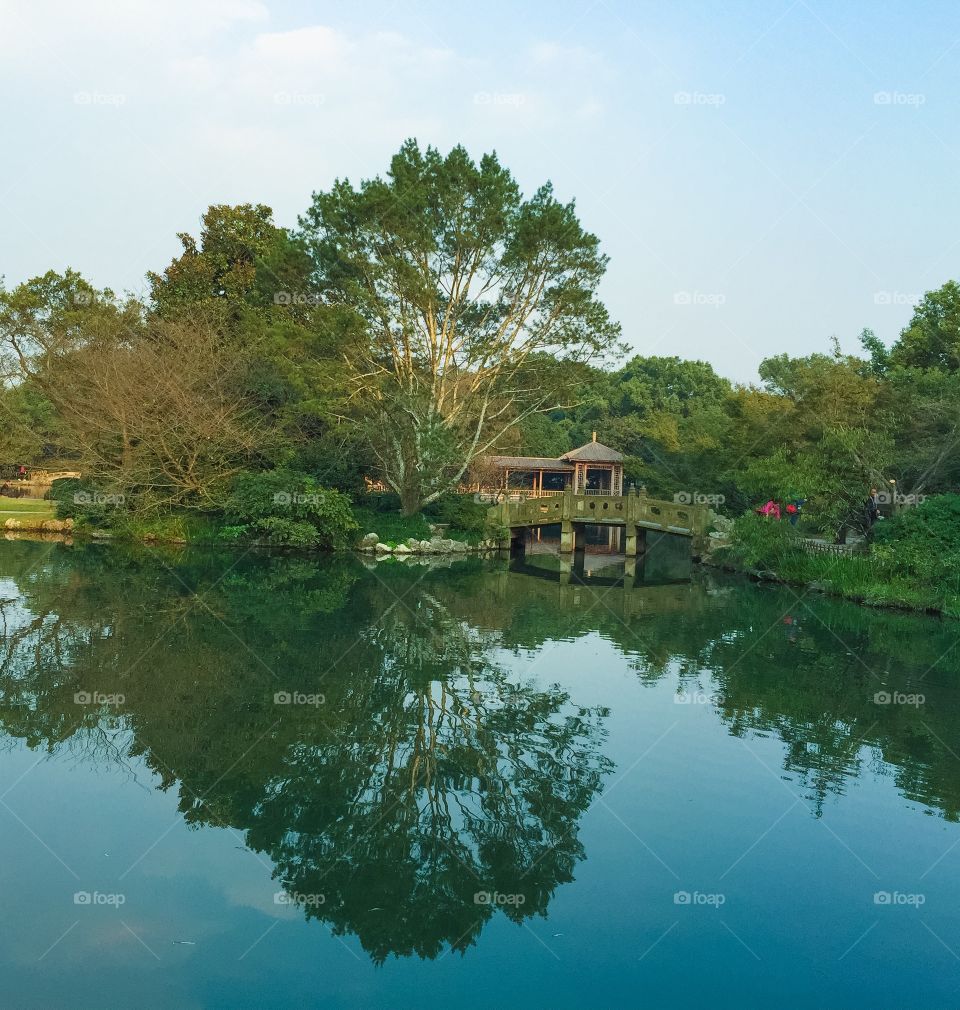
(635, 512)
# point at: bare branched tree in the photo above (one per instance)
(154, 407)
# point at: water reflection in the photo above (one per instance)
(814, 671)
(665, 561)
(426, 777)
(431, 771)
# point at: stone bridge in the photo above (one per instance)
(636, 513)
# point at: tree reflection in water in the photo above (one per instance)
(429, 773)
(432, 770)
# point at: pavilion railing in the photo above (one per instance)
(524, 493)
(495, 494)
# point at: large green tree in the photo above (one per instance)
(256, 281)
(464, 288)
(932, 337)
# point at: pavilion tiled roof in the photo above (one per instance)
(594, 452)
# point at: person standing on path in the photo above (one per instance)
(872, 509)
(793, 509)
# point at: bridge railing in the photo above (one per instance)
(626, 510)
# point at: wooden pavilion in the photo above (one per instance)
(594, 468)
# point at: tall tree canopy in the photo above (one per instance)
(255, 281)
(932, 338)
(463, 287)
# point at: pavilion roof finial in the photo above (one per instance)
(594, 436)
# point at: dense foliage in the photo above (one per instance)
(914, 560)
(82, 500)
(288, 508)
(924, 541)
(413, 323)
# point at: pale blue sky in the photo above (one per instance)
(762, 174)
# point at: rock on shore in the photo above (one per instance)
(371, 543)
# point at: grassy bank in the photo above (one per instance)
(36, 508)
(31, 515)
(898, 571)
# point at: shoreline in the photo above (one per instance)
(64, 531)
(768, 576)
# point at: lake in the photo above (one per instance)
(261, 780)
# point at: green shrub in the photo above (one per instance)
(62, 493)
(759, 541)
(289, 532)
(923, 540)
(380, 513)
(87, 503)
(914, 563)
(288, 508)
(460, 512)
(165, 527)
(391, 527)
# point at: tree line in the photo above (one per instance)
(413, 323)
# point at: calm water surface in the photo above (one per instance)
(265, 781)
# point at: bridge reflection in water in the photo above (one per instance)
(652, 581)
